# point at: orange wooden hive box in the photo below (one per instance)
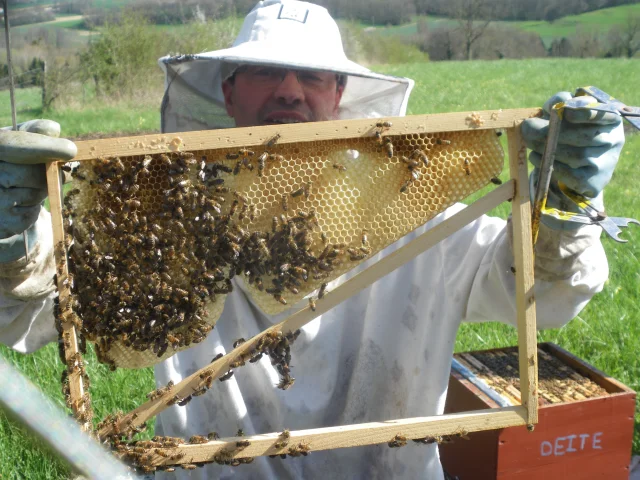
(585, 428)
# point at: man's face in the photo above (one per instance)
(266, 96)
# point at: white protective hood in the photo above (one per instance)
(282, 33)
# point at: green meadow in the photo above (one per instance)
(605, 334)
(598, 21)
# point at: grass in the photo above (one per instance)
(599, 21)
(109, 117)
(606, 334)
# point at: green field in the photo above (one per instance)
(599, 21)
(606, 334)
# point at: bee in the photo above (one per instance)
(188, 466)
(261, 162)
(298, 192)
(243, 444)
(281, 444)
(255, 358)
(278, 158)
(423, 157)
(406, 185)
(239, 362)
(410, 162)
(273, 140)
(285, 383)
(213, 436)
(238, 342)
(233, 208)
(322, 291)
(383, 124)
(285, 203)
(226, 376)
(462, 433)
(365, 237)
(162, 453)
(184, 401)
(389, 146)
(198, 439)
(442, 141)
(467, 167)
(232, 156)
(217, 357)
(312, 304)
(339, 167)
(496, 181)
(246, 153)
(398, 441)
(280, 298)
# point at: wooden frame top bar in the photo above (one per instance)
(301, 132)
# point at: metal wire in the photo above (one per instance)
(27, 404)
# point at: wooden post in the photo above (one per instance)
(523, 255)
(68, 336)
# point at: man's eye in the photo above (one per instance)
(310, 77)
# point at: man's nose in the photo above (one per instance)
(290, 90)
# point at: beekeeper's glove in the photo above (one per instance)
(588, 149)
(23, 183)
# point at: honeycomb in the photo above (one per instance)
(365, 195)
(288, 218)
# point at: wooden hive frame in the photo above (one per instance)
(515, 190)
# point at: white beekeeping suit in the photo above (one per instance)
(384, 353)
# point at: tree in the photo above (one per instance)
(624, 40)
(473, 18)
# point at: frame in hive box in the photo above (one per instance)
(377, 136)
(585, 422)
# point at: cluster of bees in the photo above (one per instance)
(142, 274)
(400, 440)
(140, 454)
(416, 160)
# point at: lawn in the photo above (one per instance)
(606, 334)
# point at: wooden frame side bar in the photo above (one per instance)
(344, 436)
(352, 286)
(68, 337)
(303, 132)
(524, 261)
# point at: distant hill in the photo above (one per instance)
(599, 21)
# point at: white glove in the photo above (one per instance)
(23, 183)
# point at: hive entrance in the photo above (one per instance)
(288, 209)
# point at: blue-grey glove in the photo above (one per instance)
(588, 150)
(23, 183)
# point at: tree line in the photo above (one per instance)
(374, 12)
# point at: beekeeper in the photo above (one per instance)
(386, 352)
